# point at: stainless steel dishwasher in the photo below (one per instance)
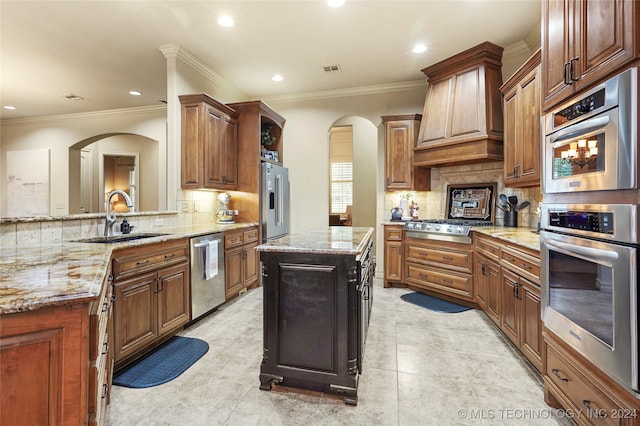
(207, 274)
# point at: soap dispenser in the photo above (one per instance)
(125, 228)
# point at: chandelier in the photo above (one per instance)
(581, 153)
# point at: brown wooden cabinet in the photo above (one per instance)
(440, 267)
(486, 276)
(401, 134)
(522, 110)
(584, 42)
(240, 260)
(209, 144)
(255, 118)
(574, 384)
(152, 297)
(393, 254)
(462, 117)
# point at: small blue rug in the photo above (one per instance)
(164, 364)
(433, 303)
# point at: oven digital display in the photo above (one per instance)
(586, 221)
(577, 109)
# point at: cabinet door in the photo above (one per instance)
(393, 261)
(213, 148)
(191, 170)
(493, 291)
(233, 264)
(134, 314)
(398, 155)
(528, 142)
(229, 157)
(530, 316)
(510, 136)
(250, 264)
(557, 36)
(509, 314)
(434, 127)
(606, 43)
(173, 298)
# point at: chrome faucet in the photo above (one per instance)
(111, 220)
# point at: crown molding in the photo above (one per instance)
(178, 52)
(516, 49)
(85, 115)
(351, 91)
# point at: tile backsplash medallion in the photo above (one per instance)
(432, 203)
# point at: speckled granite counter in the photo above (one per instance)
(521, 236)
(36, 276)
(329, 240)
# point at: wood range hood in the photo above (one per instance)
(462, 118)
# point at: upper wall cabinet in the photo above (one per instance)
(522, 143)
(462, 118)
(583, 42)
(400, 135)
(209, 144)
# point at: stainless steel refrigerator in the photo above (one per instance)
(274, 201)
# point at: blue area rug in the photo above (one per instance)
(433, 303)
(164, 364)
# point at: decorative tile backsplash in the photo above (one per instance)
(432, 203)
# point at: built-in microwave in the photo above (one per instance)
(590, 143)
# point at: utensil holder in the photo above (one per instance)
(511, 219)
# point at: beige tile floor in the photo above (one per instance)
(420, 368)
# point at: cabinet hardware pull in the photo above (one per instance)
(571, 69)
(525, 266)
(423, 276)
(169, 256)
(516, 172)
(509, 259)
(105, 390)
(105, 348)
(447, 258)
(565, 73)
(105, 307)
(113, 298)
(595, 413)
(556, 372)
(144, 262)
(110, 278)
(484, 268)
(446, 281)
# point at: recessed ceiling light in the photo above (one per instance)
(277, 77)
(225, 21)
(11, 107)
(135, 93)
(335, 3)
(419, 48)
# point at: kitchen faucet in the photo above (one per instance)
(111, 220)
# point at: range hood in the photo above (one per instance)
(462, 117)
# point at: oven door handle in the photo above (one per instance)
(579, 129)
(587, 252)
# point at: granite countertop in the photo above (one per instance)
(36, 276)
(330, 240)
(520, 236)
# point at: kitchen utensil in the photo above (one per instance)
(503, 198)
(523, 205)
(501, 206)
(513, 200)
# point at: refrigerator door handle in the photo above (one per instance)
(279, 200)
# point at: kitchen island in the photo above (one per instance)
(317, 300)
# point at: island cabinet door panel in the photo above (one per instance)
(307, 295)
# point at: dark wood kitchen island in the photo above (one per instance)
(317, 299)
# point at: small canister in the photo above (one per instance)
(125, 227)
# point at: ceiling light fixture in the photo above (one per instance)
(135, 93)
(277, 77)
(225, 21)
(335, 3)
(11, 107)
(419, 48)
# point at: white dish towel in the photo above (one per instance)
(211, 259)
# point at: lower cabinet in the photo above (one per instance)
(393, 255)
(440, 267)
(507, 281)
(152, 298)
(575, 385)
(240, 260)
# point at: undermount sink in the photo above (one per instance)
(117, 238)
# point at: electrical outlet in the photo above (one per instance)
(185, 206)
(157, 222)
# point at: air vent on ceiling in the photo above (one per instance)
(331, 68)
(73, 97)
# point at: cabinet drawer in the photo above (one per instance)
(521, 263)
(99, 320)
(146, 258)
(593, 404)
(393, 233)
(460, 261)
(459, 285)
(250, 235)
(488, 247)
(232, 239)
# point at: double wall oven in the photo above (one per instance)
(589, 251)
